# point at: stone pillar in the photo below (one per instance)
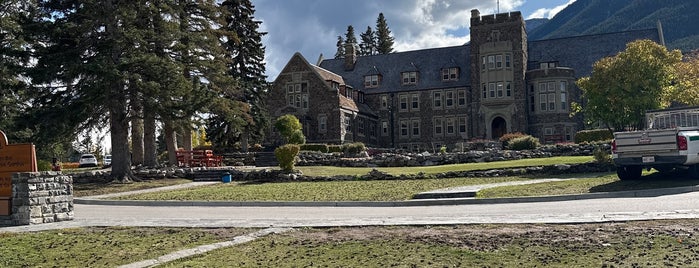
(40, 197)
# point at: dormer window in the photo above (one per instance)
(409, 78)
(547, 65)
(450, 74)
(335, 85)
(371, 81)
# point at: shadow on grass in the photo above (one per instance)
(655, 180)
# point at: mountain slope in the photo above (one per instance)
(679, 19)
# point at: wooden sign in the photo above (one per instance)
(13, 158)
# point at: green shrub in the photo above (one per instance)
(443, 149)
(601, 155)
(315, 147)
(354, 148)
(505, 139)
(297, 137)
(286, 156)
(335, 148)
(593, 135)
(526, 142)
(43, 165)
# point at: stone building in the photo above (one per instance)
(420, 100)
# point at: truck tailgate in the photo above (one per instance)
(647, 141)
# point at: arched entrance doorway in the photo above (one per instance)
(498, 127)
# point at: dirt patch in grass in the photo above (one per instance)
(100, 187)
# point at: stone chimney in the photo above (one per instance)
(350, 56)
(475, 13)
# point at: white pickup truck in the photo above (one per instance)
(670, 141)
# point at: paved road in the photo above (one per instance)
(592, 210)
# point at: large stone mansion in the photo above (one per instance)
(420, 100)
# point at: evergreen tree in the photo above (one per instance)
(349, 36)
(237, 116)
(368, 44)
(340, 48)
(384, 40)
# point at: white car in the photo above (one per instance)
(87, 160)
(107, 160)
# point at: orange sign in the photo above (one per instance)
(13, 158)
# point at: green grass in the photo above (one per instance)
(100, 187)
(102, 247)
(592, 245)
(391, 190)
(604, 183)
(330, 171)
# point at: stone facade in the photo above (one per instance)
(40, 197)
(424, 99)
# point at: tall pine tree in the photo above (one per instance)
(384, 40)
(350, 37)
(340, 53)
(368, 44)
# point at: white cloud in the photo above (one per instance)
(549, 12)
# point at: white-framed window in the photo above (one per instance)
(384, 128)
(483, 64)
(409, 78)
(461, 124)
(461, 98)
(548, 131)
(498, 61)
(371, 81)
(289, 89)
(384, 102)
(564, 102)
(404, 128)
(438, 126)
(542, 102)
(491, 89)
(485, 91)
(304, 101)
(298, 100)
(415, 125)
(403, 100)
(449, 98)
(322, 123)
(542, 87)
(552, 101)
(348, 123)
(437, 100)
(562, 86)
(491, 61)
(500, 89)
(450, 74)
(290, 99)
(415, 102)
(551, 86)
(450, 126)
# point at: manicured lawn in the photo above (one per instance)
(391, 190)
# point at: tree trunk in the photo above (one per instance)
(150, 147)
(244, 140)
(137, 149)
(187, 137)
(119, 129)
(170, 142)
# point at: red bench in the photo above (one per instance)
(198, 158)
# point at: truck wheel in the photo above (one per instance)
(629, 172)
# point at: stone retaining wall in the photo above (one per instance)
(40, 197)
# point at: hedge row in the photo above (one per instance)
(593, 135)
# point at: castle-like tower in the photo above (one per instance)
(498, 66)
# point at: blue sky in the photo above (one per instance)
(311, 27)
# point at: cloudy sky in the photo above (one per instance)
(312, 26)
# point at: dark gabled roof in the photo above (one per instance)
(581, 52)
(427, 62)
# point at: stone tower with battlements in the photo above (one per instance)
(498, 66)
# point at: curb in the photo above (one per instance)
(406, 203)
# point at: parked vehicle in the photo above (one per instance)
(107, 160)
(670, 141)
(87, 160)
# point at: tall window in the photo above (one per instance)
(483, 64)
(450, 126)
(403, 102)
(437, 100)
(384, 102)
(507, 60)
(409, 78)
(485, 91)
(461, 125)
(500, 89)
(552, 101)
(384, 128)
(348, 123)
(371, 81)
(461, 97)
(404, 128)
(438, 126)
(498, 61)
(508, 88)
(322, 123)
(360, 126)
(449, 99)
(491, 88)
(491, 62)
(297, 95)
(415, 102)
(415, 127)
(542, 101)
